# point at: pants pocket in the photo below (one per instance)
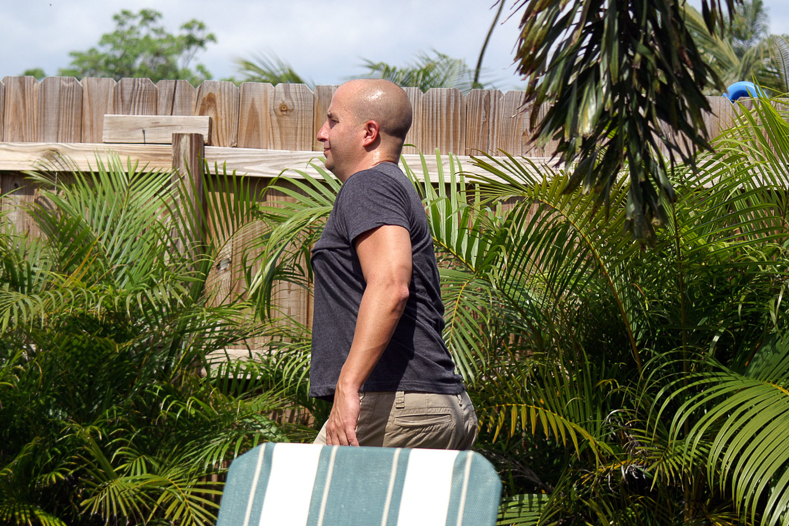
(427, 430)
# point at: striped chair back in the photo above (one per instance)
(310, 485)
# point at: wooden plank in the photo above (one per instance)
(321, 101)
(21, 108)
(153, 129)
(18, 192)
(482, 118)
(539, 149)
(443, 121)
(253, 163)
(415, 96)
(722, 116)
(513, 124)
(253, 128)
(97, 101)
(59, 110)
(15, 156)
(220, 101)
(134, 97)
(2, 109)
(175, 97)
(291, 117)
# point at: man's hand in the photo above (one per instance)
(341, 427)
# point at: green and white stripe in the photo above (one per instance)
(309, 485)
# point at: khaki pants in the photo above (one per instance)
(416, 420)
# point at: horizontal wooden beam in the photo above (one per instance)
(153, 129)
(26, 156)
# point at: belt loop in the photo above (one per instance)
(400, 400)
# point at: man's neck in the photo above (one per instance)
(373, 159)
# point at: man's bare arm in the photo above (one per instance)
(385, 257)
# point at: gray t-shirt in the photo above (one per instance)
(416, 358)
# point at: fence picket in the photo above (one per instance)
(414, 134)
(292, 117)
(2, 109)
(21, 107)
(97, 101)
(220, 100)
(134, 97)
(482, 118)
(442, 123)
(513, 124)
(323, 95)
(253, 130)
(175, 97)
(59, 110)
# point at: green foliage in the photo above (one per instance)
(140, 47)
(435, 70)
(427, 71)
(625, 81)
(271, 69)
(747, 52)
(114, 406)
(615, 383)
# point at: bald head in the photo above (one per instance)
(381, 101)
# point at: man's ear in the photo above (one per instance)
(372, 131)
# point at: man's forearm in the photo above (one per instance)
(379, 312)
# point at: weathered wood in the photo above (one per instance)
(97, 101)
(188, 153)
(21, 108)
(322, 100)
(18, 192)
(722, 117)
(220, 101)
(15, 156)
(443, 121)
(482, 118)
(242, 161)
(253, 128)
(153, 129)
(291, 117)
(291, 300)
(59, 110)
(175, 97)
(513, 124)
(415, 96)
(539, 148)
(134, 97)
(2, 109)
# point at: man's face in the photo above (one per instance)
(341, 135)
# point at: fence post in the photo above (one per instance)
(188, 155)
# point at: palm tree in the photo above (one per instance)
(617, 76)
(106, 322)
(748, 51)
(616, 384)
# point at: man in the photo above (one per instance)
(377, 350)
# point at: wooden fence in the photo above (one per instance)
(262, 116)
(258, 129)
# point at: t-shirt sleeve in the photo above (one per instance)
(371, 200)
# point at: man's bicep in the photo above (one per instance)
(385, 254)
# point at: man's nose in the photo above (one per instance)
(322, 135)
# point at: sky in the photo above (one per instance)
(325, 41)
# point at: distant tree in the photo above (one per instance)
(34, 72)
(140, 47)
(747, 52)
(428, 70)
(269, 68)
